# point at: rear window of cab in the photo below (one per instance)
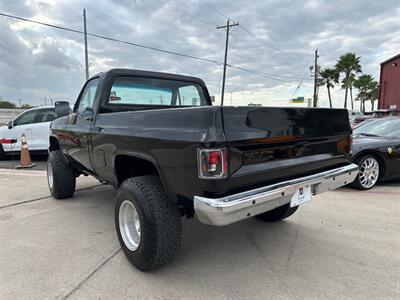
(158, 92)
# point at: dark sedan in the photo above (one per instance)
(376, 150)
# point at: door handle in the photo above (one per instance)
(99, 129)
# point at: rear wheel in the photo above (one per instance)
(148, 225)
(369, 172)
(278, 214)
(2, 153)
(60, 176)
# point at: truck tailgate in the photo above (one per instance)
(266, 145)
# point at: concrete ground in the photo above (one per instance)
(13, 161)
(343, 245)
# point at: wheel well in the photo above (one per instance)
(54, 145)
(129, 166)
(377, 156)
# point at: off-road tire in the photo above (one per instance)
(2, 153)
(356, 183)
(277, 214)
(160, 222)
(63, 176)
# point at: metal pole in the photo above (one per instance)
(315, 78)
(86, 48)
(227, 26)
(226, 56)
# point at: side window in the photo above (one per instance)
(188, 96)
(45, 115)
(87, 99)
(26, 118)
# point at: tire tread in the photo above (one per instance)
(64, 179)
(163, 215)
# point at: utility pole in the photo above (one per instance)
(316, 71)
(86, 49)
(227, 26)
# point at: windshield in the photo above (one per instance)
(381, 127)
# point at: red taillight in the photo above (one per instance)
(214, 158)
(212, 163)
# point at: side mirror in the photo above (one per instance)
(10, 124)
(62, 108)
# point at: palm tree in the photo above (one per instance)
(349, 64)
(364, 84)
(349, 83)
(373, 93)
(328, 78)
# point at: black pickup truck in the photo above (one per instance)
(157, 139)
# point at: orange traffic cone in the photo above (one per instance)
(25, 160)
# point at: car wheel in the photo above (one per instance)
(2, 153)
(148, 225)
(369, 171)
(60, 176)
(278, 214)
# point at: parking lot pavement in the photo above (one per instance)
(345, 244)
(13, 161)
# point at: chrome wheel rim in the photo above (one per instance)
(129, 225)
(369, 172)
(50, 175)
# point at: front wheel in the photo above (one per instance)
(148, 225)
(368, 174)
(60, 176)
(278, 214)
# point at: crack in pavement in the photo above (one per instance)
(91, 274)
(44, 197)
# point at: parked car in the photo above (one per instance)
(35, 124)
(376, 149)
(156, 138)
(356, 120)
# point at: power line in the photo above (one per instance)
(112, 39)
(262, 74)
(218, 11)
(266, 75)
(186, 12)
(251, 33)
(271, 46)
(259, 74)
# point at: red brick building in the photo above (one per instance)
(389, 91)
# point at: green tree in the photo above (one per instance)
(25, 106)
(7, 104)
(373, 94)
(329, 77)
(349, 65)
(365, 85)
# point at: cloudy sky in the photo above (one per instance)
(277, 38)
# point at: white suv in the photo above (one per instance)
(35, 124)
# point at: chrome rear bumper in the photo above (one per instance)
(233, 208)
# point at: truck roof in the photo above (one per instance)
(151, 74)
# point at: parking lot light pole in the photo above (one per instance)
(86, 48)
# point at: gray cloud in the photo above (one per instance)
(38, 62)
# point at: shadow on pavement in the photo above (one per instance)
(13, 160)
